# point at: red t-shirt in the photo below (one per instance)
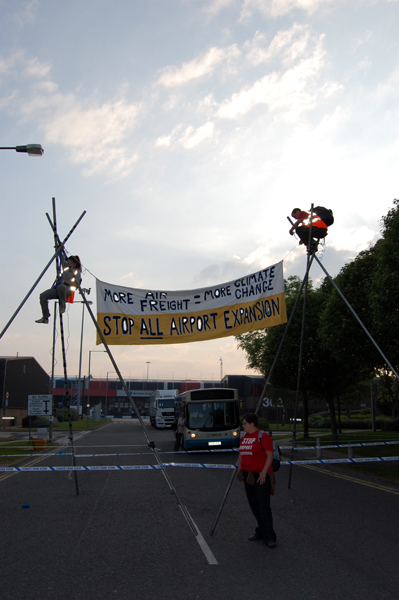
(253, 454)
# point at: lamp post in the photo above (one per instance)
(30, 149)
(106, 392)
(148, 368)
(88, 385)
(81, 346)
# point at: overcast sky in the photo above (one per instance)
(188, 130)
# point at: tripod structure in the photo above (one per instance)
(311, 256)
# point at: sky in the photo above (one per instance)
(188, 130)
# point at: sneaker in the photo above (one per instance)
(42, 320)
(271, 544)
(313, 247)
(62, 309)
(254, 538)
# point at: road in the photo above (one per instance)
(124, 536)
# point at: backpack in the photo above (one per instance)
(325, 214)
(276, 452)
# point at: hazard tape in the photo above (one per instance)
(205, 451)
(192, 465)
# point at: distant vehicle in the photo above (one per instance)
(211, 418)
(162, 404)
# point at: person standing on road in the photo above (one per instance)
(255, 469)
(179, 431)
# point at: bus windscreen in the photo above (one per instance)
(212, 415)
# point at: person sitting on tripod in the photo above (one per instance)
(67, 282)
(319, 228)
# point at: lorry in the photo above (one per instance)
(162, 408)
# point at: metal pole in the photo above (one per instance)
(88, 395)
(265, 388)
(60, 247)
(357, 318)
(300, 360)
(80, 361)
(372, 409)
(52, 372)
(151, 444)
(68, 398)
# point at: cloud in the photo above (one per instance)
(35, 68)
(25, 13)
(192, 137)
(268, 8)
(293, 90)
(287, 45)
(197, 68)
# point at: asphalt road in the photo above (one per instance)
(124, 536)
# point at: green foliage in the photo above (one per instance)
(62, 415)
(39, 421)
(391, 425)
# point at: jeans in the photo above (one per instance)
(259, 502)
(61, 293)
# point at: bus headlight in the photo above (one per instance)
(193, 435)
(235, 433)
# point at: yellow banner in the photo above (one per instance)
(134, 316)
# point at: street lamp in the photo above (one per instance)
(88, 386)
(148, 368)
(106, 392)
(31, 149)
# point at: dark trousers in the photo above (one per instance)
(259, 501)
(178, 441)
(317, 233)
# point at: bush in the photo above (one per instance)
(392, 425)
(39, 421)
(263, 424)
(62, 415)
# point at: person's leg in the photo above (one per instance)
(303, 234)
(44, 298)
(265, 513)
(318, 233)
(178, 440)
(63, 292)
(253, 504)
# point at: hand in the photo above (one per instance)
(262, 478)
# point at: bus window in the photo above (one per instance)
(212, 415)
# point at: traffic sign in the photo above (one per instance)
(39, 405)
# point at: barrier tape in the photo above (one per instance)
(63, 453)
(192, 465)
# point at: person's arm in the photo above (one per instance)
(295, 225)
(268, 463)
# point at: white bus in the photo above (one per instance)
(211, 418)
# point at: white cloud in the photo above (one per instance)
(26, 12)
(288, 45)
(192, 137)
(278, 8)
(268, 8)
(35, 68)
(293, 90)
(199, 67)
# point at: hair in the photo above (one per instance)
(295, 209)
(77, 261)
(251, 418)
